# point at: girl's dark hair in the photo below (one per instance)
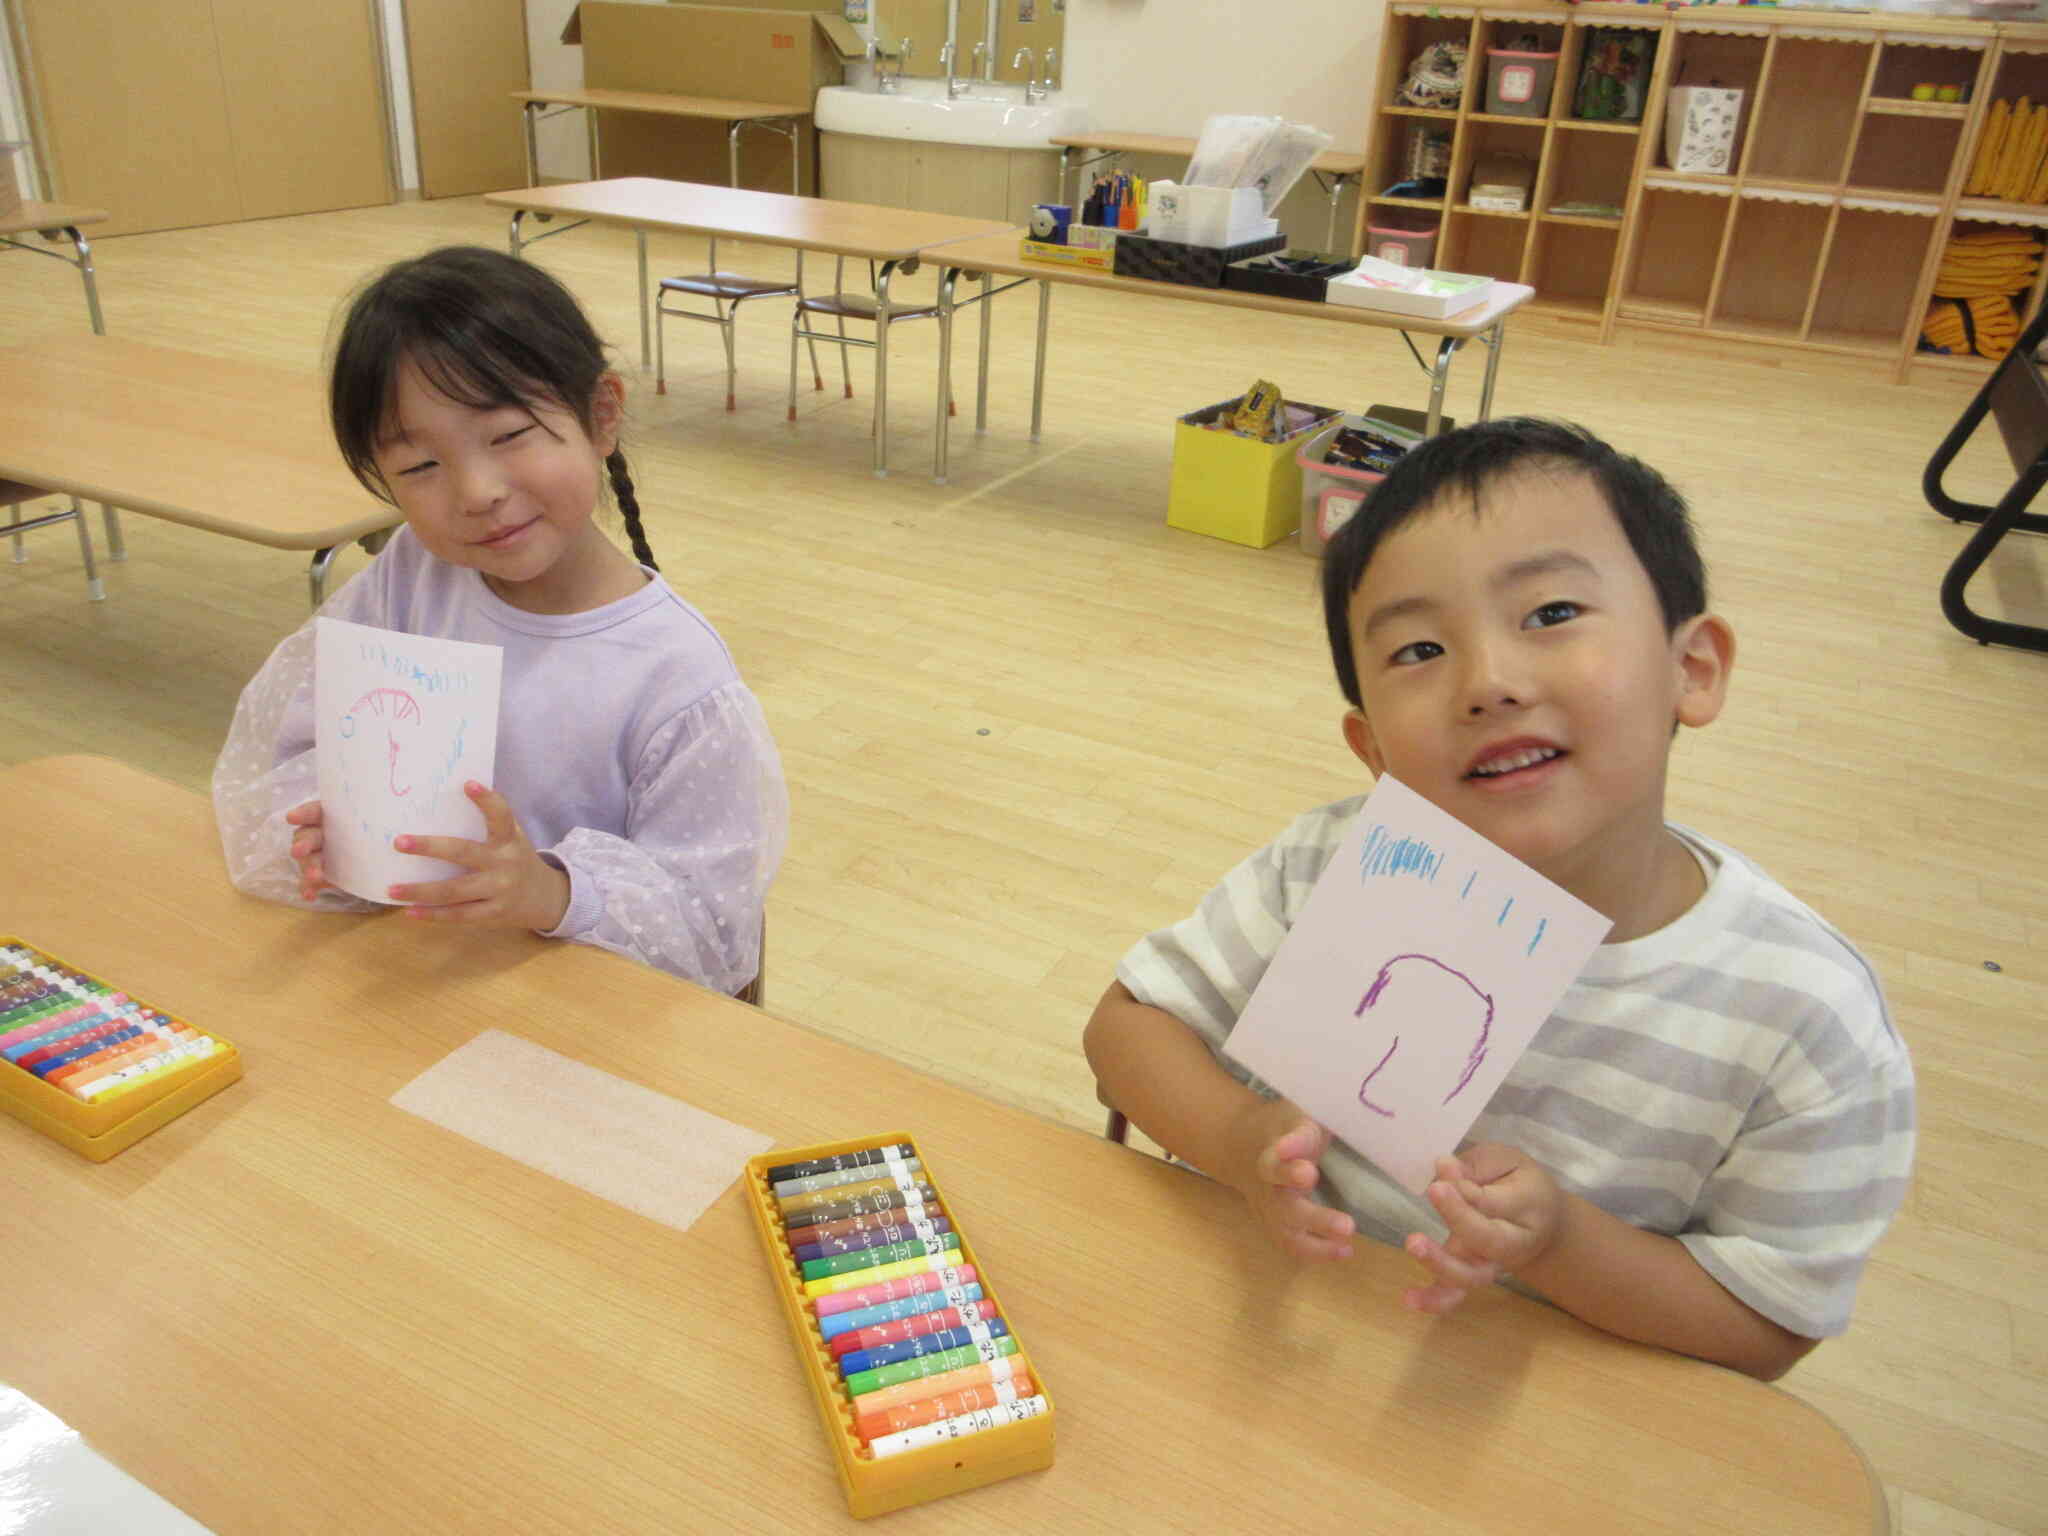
(485, 329)
(1651, 512)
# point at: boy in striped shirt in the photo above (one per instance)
(1707, 1137)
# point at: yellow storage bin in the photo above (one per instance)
(875, 1485)
(1233, 487)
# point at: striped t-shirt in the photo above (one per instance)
(1732, 1080)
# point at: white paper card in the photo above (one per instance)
(1422, 964)
(401, 723)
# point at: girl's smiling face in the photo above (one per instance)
(1516, 671)
(505, 490)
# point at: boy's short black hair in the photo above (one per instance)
(1651, 513)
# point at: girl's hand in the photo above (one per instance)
(1503, 1210)
(308, 845)
(509, 884)
(1283, 1147)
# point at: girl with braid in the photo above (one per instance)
(639, 804)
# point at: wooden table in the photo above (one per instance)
(51, 220)
(993, 255)
(736, 115)
(231, 447)
(1341, 167)
(298, 1306)
(896, 237)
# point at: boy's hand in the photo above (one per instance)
(1281, 1148)
(510, 885)
(308, 845)
(1503, 1210)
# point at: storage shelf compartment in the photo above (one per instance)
(1489, 213)
(1873, 266)
(1661, 311)
(1572, 266)
(1401, 149)
(1420, 32)
(2022, 299)
(1806, 121)
(1905, 154)
(1489, 247)
(1773, 252)
(1519, 136)
(1597, 171)
(1901, 66)
(1677, 242)
(1908, 108)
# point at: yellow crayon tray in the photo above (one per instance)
(876, 1486)
(98, 1131)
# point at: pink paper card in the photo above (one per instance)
(1422, 965)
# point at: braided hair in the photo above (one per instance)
(485, 329)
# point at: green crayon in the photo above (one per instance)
(930, 1365)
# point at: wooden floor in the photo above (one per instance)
(1024, 722)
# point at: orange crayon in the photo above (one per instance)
(978, 1374)
(930, 1410)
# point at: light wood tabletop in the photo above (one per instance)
(235, 448)
(51, 220)
(661, 104)
(298, 1306)
(49, 216)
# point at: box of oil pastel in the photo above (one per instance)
(90, 1066)
(919, 1374)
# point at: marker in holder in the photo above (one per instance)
(92, 1066)
(941, 1396)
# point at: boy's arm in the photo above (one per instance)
(1505, 1212)
(1167, 1081)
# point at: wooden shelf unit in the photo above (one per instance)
(1825, 236)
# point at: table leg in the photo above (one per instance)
(1038, 371)
(596, 162)
(988, 294)
(527, 112)
(882, 369)
(117, 546)
(1440, 375)
(1066, 155)
(1493, 339)
(948, 276)
(316, 573)
(732, 154)
(512, 235)
(640, 249)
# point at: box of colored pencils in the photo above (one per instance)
(921, 1380)
(92, 1066)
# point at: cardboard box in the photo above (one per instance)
(1701, 123)
(735, 52)
(1237, 488)
(1068, 255)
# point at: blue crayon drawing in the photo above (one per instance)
(1541, 924)
(1473, 1058)
(1468, 885)
(1385, 854)
(1504, 911)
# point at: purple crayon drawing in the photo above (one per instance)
(1473, 1058)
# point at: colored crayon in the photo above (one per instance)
(811, 1200)
(881, 1237)
(934, 1321)
(943, 1264)
(888, 1289)
(865, 1202)
(951, 1381)
(94, 1027)
(91, 1042)
(833, 1178)
(940, 1244)
(930, 1365)
(868, 1221)
(134, 1073)
(860, 1361)
(928, 1410)
(835, 1324)
(974, 1423)
(894, 1152)
(154, 1036)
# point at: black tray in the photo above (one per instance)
(1305, 275)
(1169, 261)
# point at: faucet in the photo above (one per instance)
(1051, 58)
(978, 66)
(1032, 89)
(886, 79)
(954, 84)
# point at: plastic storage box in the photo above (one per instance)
(1332, 493)
(1236, 488)
(1518, 83)
(1409, 244)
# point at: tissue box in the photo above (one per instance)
(1206, 215)
(1237, 488)
(1700, 124)
(1171, 261)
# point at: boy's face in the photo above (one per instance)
(1516, 672)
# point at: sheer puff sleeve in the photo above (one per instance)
(266, 768)
(707, 820)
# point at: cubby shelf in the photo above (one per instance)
(1826, 232)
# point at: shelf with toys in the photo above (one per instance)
(1814, 179)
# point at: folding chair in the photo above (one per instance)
(723, 289)
(2017, 396)
(842, 307)
(13, 493)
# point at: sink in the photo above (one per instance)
(991, 113)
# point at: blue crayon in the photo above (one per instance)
(90, 1048)
(854, 1242)
(836, 1323)
(924, 1344)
